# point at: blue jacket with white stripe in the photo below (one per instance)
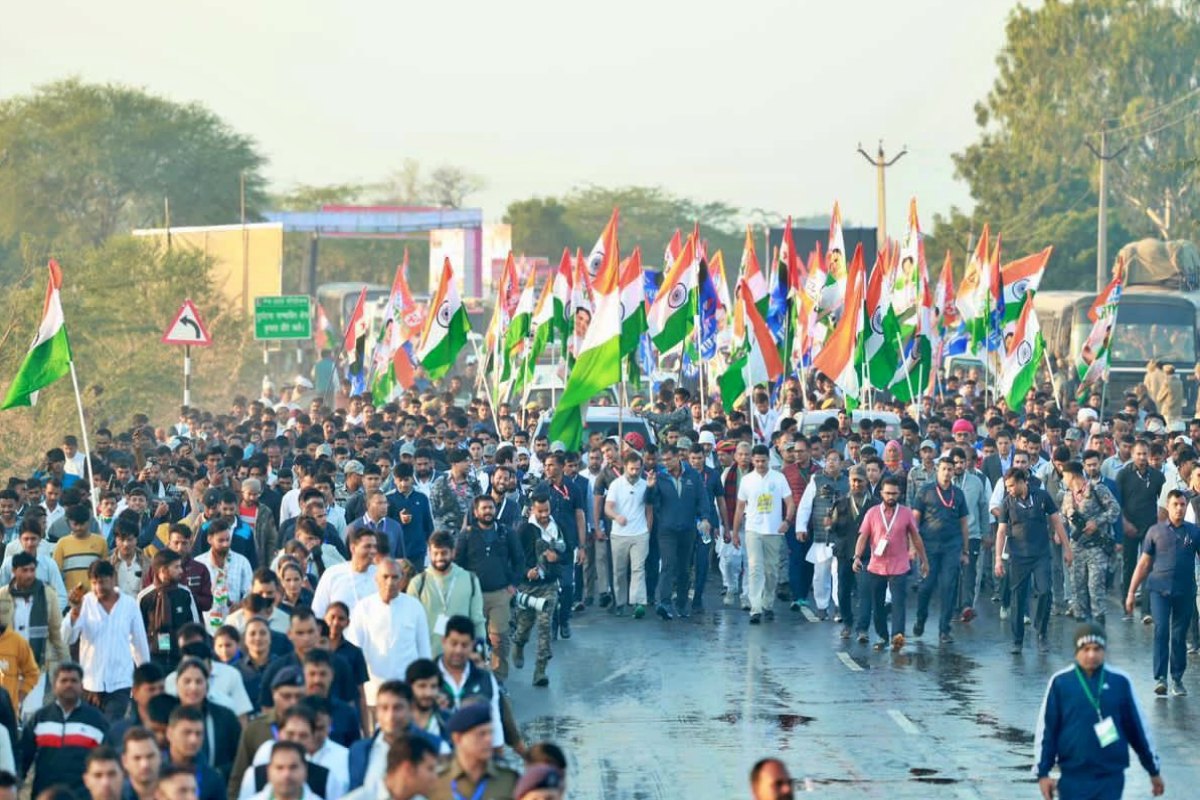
(1066, 732)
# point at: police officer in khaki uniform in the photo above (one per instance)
(472, 773)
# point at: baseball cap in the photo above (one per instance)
(1073, 434)
(635, 440)
(288, 676)
(928, 443)
(707, 437)
(408, 449)
(353, 467)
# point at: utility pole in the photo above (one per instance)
(1102, 216)
(881, 162)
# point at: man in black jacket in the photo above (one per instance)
(494, 555)
(55, 752)
(568, 511)
(847, 516)
(166, 607)
(545, 550)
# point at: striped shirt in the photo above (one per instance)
(75, 555)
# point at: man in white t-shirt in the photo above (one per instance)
(627, 503)
(763, 496)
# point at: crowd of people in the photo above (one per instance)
(310, 597)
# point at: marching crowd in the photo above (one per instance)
(310, 597)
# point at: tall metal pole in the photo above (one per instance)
(187, 375)
(1102, 211)
(881, 162)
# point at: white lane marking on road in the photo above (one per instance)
(808, 614)
(904, 722)
(850, 663)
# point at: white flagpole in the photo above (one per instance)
(93, 491)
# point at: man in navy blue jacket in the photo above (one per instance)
(1089, 720)
(679, 509)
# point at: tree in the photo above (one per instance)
(539, 227)
(307, 197)
(1068, 70)
(85, 161)
(449, 186)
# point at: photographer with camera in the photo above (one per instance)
(1089, 509)
(545, 551)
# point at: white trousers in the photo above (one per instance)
(762, 553)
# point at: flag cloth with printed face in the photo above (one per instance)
(838, 358)
(598, 364)
(756, 360)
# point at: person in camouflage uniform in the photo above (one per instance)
(1089, 511)
(451, 495)
(543, 546)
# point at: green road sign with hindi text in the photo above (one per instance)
(288, 317)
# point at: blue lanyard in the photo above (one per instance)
(479, 790)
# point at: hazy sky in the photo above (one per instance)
(759, 103)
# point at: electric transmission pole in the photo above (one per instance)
(881, 162)
(1102, 216)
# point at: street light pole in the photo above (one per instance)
(881, 162)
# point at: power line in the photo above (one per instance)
(1142, 119)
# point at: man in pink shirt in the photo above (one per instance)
(886, 538)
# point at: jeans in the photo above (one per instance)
(703, 559)
(1131, 549)
(879, 587)
(846, 580)
(566, 587)
(800, 572)
(968, 583)
(1172, 613)
(677, 548)
(652, 565)
(1029, 577)
(943, 576)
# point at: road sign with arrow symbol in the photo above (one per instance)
(187, 328)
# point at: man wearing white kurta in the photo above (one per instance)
(390, 628)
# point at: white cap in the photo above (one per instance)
(706, 437)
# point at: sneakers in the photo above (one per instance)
(1160, 688)
(1147, 619)
(1003, 612)
(745, 604)
(730, 600)
(881, 645)
(919, 629)
(578, 607)
(845, 634)
(663, 612)
(619, 611)
(1178, 689)
(862, 637)
(769, 615)
(639, 611)
(968, 614)
(1015, 649)
(1043, 645)
(683, 611)
(945, 638)
(796, 606)
(605, 600)
(755, 619)
(897, 642)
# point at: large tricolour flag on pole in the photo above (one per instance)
(446, 328)
(673, 315)
(1018, 370)
(837, 356)
(881, 339)
(757, 360)
(753, 276)
(1094, 355)
(972, 300)
(598, 364)
(49, 356)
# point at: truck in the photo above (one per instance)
(1158, 317)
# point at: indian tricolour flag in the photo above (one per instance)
(1018, 371)
(881, 338)
(446, 328)
(598, 363)
(757, 360)
(752, 275)
(49, 356)
(1021, 278)
(673, 315)
(520, 326)
(837, 359)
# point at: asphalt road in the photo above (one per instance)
(682, 709)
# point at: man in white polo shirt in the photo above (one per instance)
(627, 504)
(762, 497)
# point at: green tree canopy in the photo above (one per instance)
(1067, 71)
(85, 161)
